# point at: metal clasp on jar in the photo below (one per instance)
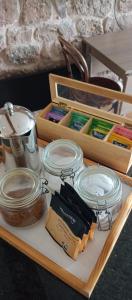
(106, 224)
(44, 184)
(67, 173)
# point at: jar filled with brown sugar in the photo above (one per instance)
(22, 201)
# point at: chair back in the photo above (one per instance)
(73, 56)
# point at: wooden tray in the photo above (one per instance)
(82, 275)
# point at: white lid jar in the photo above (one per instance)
(101, 189)
(22, 201)
(62, 159)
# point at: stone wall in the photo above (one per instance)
(29, 29)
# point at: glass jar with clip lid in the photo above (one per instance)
(22, 197)
(62, 159)
(101, 189)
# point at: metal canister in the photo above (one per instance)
(18, 138)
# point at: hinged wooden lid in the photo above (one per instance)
(56, 80)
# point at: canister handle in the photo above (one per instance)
(9, 108)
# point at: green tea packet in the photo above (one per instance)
(77, 121)
(99, 128)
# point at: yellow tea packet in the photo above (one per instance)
(120, 141)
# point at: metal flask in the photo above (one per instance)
(18, 138)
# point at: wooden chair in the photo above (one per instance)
(73, 57)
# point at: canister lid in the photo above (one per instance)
(62, 157)
(15, 120)
(99, 187)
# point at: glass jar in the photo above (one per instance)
(22, 201)
(61, 160)
(101, 189)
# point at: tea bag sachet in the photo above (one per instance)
(70, 221)
(65, 226)
(84, 209)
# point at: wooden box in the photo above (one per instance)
(101, 151)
